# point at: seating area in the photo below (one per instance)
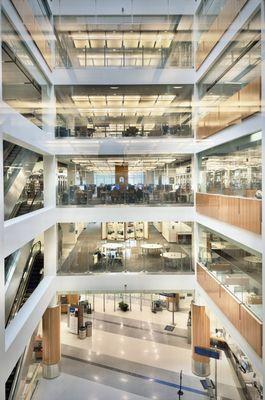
(122, 247)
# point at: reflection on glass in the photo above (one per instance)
(238, 268)
(157, 180)
(237, 67)
(233, 168)
(23, 180)
(145, 41)
(124, 111)
(159, 247)
(24, 86)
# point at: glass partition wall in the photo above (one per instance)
(98, 112)
(116, 180)
(237, 267)
(124, 41)
(25, 88)
(233, 168)
(151, 247)
(231, 90)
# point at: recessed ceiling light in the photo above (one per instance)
(177, 87)
(114, 87)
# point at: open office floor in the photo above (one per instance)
(130, 255)
(131, 357)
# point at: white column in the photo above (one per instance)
(263, 167)
(49, 110)
(50, 251)
(2, 276)
(50, 180)
(50, 235)
(2, 260)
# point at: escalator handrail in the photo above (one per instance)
(18, 205)
(8, 150)
(17, 376)
(24, 280)
(34, 198)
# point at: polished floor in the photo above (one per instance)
(79, 260)
(130, 356)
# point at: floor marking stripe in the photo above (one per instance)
(139, 327)
(135, 375)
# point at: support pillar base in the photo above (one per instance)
(201, 369)
(50, 371)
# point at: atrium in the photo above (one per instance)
(132, 234)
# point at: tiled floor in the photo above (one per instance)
(130, 358)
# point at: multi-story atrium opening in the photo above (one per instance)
(132, 220)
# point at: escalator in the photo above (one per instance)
(18, 166)
(31, 277)
(26, 206)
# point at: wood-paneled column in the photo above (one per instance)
(200, 336)
(51, 357)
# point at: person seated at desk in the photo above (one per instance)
(139, 195)
(131, 194)
(178, 193)
(115, 195)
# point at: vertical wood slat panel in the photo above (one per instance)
(245, 322)
(239, 211)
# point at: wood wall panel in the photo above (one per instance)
(251, 329)
(239, 211)
(36, 28)
(237, 313)
(220, 24)
(241, 105)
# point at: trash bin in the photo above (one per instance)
(88, 328)
(82, 332)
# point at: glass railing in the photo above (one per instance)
(240, 275)
(110, 130)
(109, 195)
(178, 55)
(130, 256)
(232, 169)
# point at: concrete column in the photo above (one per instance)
(200, 336)
(51, 342)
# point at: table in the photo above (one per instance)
(171, 258)
(173, 255)
(111, 246)
(218, 245)
(253, 259)
(149, 247)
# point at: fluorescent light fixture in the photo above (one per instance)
(177, 87)
(114, 87)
